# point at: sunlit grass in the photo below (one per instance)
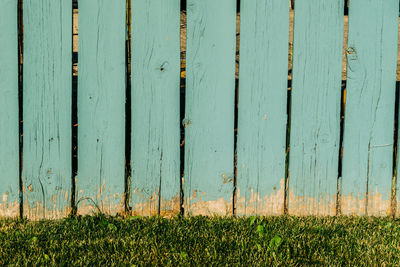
(101, 240)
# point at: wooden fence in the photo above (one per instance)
(149, 142)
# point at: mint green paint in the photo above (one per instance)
(209, 118)
(9, 162)
(315, 111)
(368, 136)
(47, 108)
(264, 38)
(155, 107)
(101, 106)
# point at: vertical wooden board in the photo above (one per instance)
(209, 115)
(369, 114)
(47, 108)
(155, 107)
(264, 38)
(315, 111)
(101, 106)
(9, 160)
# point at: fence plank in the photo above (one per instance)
(101, 106)
(155, 107)
(47, 108)
(209, 120)
(368, 136)
(9, 161)
(315, 126)
(264, 38)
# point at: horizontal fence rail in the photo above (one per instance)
(198, 107)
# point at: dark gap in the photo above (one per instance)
(74, 112)
(183, 27)
(128, 114)
(395, 142)
(234, 198)
(395, 151)
(20, 102)
(236, 107)
(342, 112)
(288, 124)
(340, 160)
(288, 109)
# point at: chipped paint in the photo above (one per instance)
(88, 203)
(355, 204)
(170, 208)
(149, 206)
(36, 212)
(227, 179)
(262, 205)
(198, 206)
(305, 206)
(7, 209)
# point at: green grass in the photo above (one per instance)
(252, 241)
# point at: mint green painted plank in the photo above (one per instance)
(209, 118)
(315, 125)
(368, 136)
(264, 38)
(155, 107)
(9, 160)
(47, 108)
(101, 106)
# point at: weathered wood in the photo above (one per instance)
(369, 115)
(209, 116)
(9, 159)
(315, 111)
(264, 38)
(47, 108)
(155, 107)
(101, 106)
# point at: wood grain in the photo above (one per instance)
(101, 106)
(9, 159)
(264, 38)
(315, 110)
(370, 99)
(209, 116)
(47, 108)
(155, 107)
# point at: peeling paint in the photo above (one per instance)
(90, 207)
(262, 205)
(356, 205)
(149, 206)
(9, 210)
(36, 212)
(227, 179)
(305, 206)
(219, 207)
